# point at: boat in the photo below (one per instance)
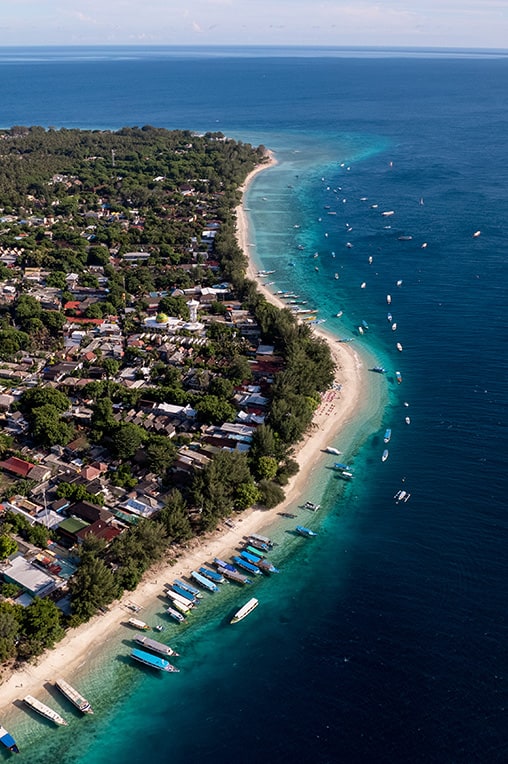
(388, 298)
(336, 276)
(310, 505)
(223, 564)
(137, 624)
(388, 213)
(399, 347)
(156, 647)
(346, 475)
(183, 593)
(389, 317)
(476, 234)
(402, 496)
(399, 282)
(245, 610)
(363, 285)
(74, 696)
(204, 582)
(340, 466)
(153, 661)
(332, 450)
(263, 539)
(384, 457)
(407, 420)
(405, 238)
(183, 609)
(256, 552)
(339, 314)
(8, 741)
(370, 259)
(175, 597)
(394, 326)
(398, 377)
(360, 329)
(250, 557)
(159, 627)
(424, 245)
(246, 565)
(175, 615)
(218, 578)
(188, 587)
(346, 339)
(44, 710)
(234, 575)
(387, 436)
(286, 514)
(259, 544)
(379, 369)
(307, 532)
(365, 325)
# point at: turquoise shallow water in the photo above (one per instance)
(383, 638)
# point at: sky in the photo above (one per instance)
(386, 23)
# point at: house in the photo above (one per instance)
(90, 513)
(28, 577)
(16, 466)
(100, 530)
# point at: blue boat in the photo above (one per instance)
(246, 565)
(188, 587)
(253, 550)
(223, 564)
(184, 593)
(8, 741)
(253, 558)
(175, 615)
(212, 575)
(340, 466)
(307, 532)
(387, 436)
(153, 661)
(204, 582)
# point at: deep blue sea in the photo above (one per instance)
(384, 639)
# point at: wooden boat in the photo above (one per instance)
(44, 710)
(245, 610)
(74, 696)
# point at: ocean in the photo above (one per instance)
(384, 638)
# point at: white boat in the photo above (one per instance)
(336, 276)
(388, 298)
(339, 314)
(388, 213)
(245, 610)
(408, 420)
(402, 496)
(44, 710)
(363, 285)
(399, 282)
(370, 259)
(384, 457)
(389, 317)
(332, 450)
(476, 234)
(74, 696)
(399, 347)
(360, 329)
(394, 326)
(137, 624)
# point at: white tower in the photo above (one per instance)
(193, 306)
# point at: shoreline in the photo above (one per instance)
(337, 408)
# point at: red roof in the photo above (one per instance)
(96, 321)
(17, 466)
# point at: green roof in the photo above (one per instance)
(73, 525)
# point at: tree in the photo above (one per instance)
(271, 494)
(7, 546)
(48, 428)
(10, 622)
(40, 396)
(126, 440)
(92, 586)
(111, 367)
(41, 625)
(213, 410)
(267, 467)
(246, 495)
(160, 454)
(175, 518)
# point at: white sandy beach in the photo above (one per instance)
(337, 408)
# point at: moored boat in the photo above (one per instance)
(340, 466)
(213, 575)
(398, 377)
(223, 564)
(388, 298)
(399, 347)
(379, 369)
(183, 608)
(44, 710)
(188, 587)
(307, 532)
(246, 565)
(175, 597)
(332, 450)
(310, 505)
(175, 615)
(137, 624)
(74, 696)
(407, 420)
(153, 661)
(234, 575)
(183, 593)
(384, 456)
(156, 647)
(387, 436)
(245, 610)
(204, 582)
(8, 741)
